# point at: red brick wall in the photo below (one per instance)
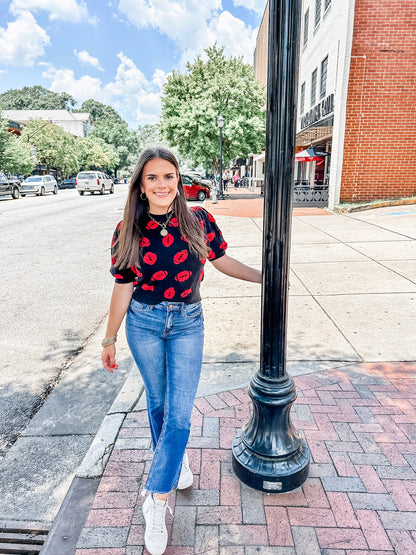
(380, 136)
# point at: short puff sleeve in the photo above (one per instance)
(215, 241)
(121, 275)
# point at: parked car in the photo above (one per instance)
(39, 185)
(92, 181)
(68, 183)
(195, 187)
(9, 186)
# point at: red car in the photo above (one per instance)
(195, 187)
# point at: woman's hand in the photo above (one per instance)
(108, 357)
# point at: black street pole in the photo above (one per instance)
(220, 192)
(268, 453)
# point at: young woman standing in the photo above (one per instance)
(158, 255)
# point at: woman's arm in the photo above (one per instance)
(120, 300)
(235, 268)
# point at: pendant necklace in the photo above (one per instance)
(163, 231)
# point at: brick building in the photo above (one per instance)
(357, 97)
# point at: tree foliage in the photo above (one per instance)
(192, 102)
(15, 155)
(35, 98)
(99, 111)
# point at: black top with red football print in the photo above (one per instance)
(168, 270)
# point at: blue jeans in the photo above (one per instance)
(166, 341)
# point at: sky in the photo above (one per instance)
(118, 52)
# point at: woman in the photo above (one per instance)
(158, 256)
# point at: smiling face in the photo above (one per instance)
(160, 184)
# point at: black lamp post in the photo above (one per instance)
(268, 453)
(220, 122)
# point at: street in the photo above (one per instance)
(55, 290)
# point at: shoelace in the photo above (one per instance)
(158, 517)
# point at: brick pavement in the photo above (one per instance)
(360, 497)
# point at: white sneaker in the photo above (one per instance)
(156, 535)
(186, 478)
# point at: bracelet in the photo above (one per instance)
(109, 341)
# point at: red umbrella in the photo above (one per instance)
(310, 154)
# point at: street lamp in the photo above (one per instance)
(268, 453)
(220, 122)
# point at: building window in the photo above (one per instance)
(327, 4)
(302, 97)
(313, 87)
(317, 12)
(324, 73)
(306, 27)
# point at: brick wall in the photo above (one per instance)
(379, 148)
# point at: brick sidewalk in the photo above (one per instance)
(360, 425)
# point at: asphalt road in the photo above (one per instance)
(54, 292)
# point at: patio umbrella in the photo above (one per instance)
(310, 154)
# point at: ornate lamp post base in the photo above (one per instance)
(268, 454)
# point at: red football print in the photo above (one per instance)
(201, 275)
(158, 276)
(174, 222)
(147, 287)
(113, 240)
(201, 223)
(211, 236)
(184, 239)
(118, 276)
(211, 217)
(204, 261)
(152, 225)
(119, 225)
(183, 276)
(180, 256)
(144, 242)
(113, 260)
(211, 255)
(150, 258)
(169, 293)
(168, 240)
(223, 245)
(186, 293)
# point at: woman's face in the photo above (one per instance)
(160, 184)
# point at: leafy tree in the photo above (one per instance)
(148, 135)
(35, 98)
(54, 147)
(99, 111)
(192, 102)
(118, 135)
(95, 153)
(15, 155)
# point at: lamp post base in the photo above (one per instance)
(268, 454)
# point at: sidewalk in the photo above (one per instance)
(352, 316)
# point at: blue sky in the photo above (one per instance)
(117, 51)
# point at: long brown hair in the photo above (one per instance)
(134, 219)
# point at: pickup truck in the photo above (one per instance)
(9, 186)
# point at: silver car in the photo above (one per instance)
(39, 185)
(92, 181)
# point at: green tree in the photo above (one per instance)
(120, 137)
(35, 98)
(54, 147)
(15, 155)
(148, 135)
(192, 102)
(99, 111)
(95, 153)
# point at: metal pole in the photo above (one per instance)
(220, 194)
(268, 453)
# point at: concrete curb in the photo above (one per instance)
(370, 206)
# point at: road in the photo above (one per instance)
(54, 292)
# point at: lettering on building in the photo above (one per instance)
(318, 112)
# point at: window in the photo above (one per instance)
(317, 12)
(313, 87)
(302, 97)
(324, 73)
(327, 4)
(306, 27)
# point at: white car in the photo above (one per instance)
(91, 181)
(39, 185)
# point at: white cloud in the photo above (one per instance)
(257, 6)
(67, 10)
(85, 58)
(234, 35)
(135, 97)
(23, 41)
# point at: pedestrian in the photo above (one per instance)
(158, 255)
(235, 179)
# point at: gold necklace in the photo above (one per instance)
(163, 231)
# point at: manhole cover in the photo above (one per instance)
(23, 538)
